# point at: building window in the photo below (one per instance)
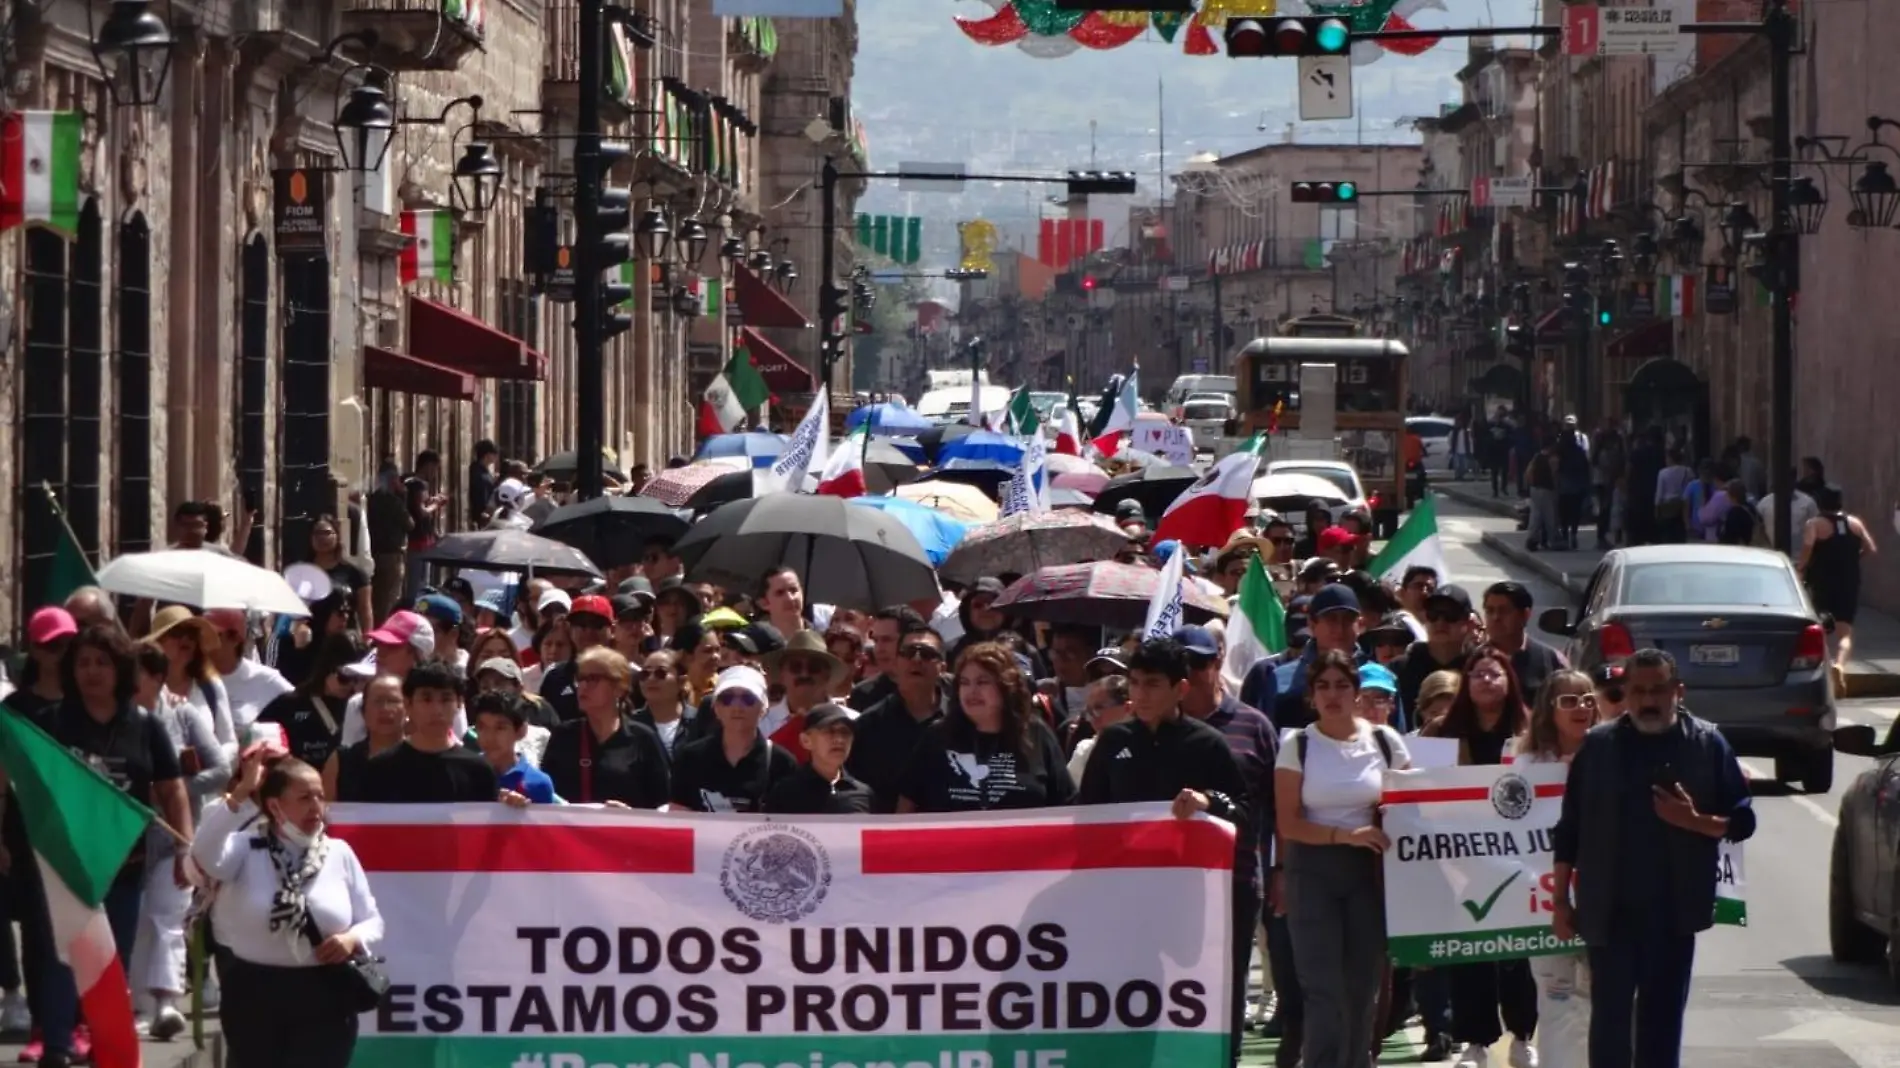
(518, 403)
(132, 499)
(303, 447)
(42, 410)
(253, 383)
(85, 382)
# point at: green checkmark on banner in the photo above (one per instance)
(1479, 912)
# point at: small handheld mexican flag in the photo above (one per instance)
(735, 393)
(82, 829)
(1024, 420)
(431, 256)
(1257, 628)
(1416, 544)
(39, 169)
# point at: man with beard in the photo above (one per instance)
(1648, 797)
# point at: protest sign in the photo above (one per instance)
(570, 937)
(1174, 444)
(1469, 878)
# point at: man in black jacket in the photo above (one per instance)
(1648, 797)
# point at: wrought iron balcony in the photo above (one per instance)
(418, 34)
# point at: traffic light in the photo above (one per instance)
(1579, 302)
(832, 308)
(613, 245)
(1279, 37)
(1088, 283)
(1334, 193)
(966, 274)
(1604, 316)
(1104, 183)
(1517, 341)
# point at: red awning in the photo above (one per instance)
(1645, 342)
(782, 374)
(456, 339)
(1551, 326)
(387, 369)
(761, 305)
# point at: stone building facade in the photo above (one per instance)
(175, 347)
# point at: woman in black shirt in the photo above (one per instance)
(992, 751)
(732, 771)
(604, 757)
(312, 714)
(385, 718)
(326, 551)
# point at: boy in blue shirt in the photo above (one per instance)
(500, 722)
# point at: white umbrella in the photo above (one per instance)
(203, 580)
(1295, 484)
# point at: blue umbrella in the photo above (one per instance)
(936, 532)
(887, 420)
(981, 450)
(755, 445)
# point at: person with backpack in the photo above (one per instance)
(1328, 780)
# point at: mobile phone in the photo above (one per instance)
(1665, 776)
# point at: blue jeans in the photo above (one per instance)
(1639, 990)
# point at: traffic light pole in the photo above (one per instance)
(830, 337)
(590, 394)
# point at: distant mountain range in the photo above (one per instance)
(927, 93)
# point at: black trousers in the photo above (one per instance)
(284, 1017)
(1482, 993)
(1290, 1003)
(1246, 919)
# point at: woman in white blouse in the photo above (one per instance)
(1327, 783)
(292, 907)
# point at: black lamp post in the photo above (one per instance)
(1737, 224)
(1644, 252)
(732, 249)
(785, 275)
(1685, 239)
(653, 236)
(365, 125)
(1876, 198)
(1807, 204)
(477, 178)
(691, 241)
(133, 48)
(760, 261)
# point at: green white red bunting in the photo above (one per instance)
(39, 169)
(1002, 940)
(430, 256)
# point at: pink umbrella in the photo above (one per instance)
(1103, 594)
(1089, 482)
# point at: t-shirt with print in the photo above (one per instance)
(1341, 782)
(312, 737)
(705, 781)
(957, 769)
(132, 750)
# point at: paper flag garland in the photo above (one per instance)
(1043, 30)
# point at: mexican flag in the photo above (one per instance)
(733, 395)
(844, 474)
(1417, 544)
(1069, 430)
(1023, 419)
(70, 570)
(82, 829)
(1257, 627)
(1120, 417)
(39, 169)
(431, 255)
(1215, 506)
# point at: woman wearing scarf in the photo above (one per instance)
(293, 907)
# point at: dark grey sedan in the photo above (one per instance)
(1863, 894)
(1751, 649)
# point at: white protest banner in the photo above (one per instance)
(1173, 443)
(1469, 878)
(572, 937)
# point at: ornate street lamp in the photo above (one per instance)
(732, 249)
(1737, 223)
(1644, 252)
(1876, 197)
(784, 274)
(692, 240)
(477, 178)
(133, 48)
(760, 261)
(1807, 204)
(365, 125)
(1685, 239)
(652, 236)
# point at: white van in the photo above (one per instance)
(1188, 385)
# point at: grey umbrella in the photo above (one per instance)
(511, 550)
(851, 557)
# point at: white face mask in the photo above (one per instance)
(294, 834)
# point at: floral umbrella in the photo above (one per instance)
(1026, 542)
(676, 486)
(1104, 594)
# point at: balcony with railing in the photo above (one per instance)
(418, 34)
(752, 41)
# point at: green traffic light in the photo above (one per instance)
(1347, 191)
(1333, 36)
(1603, 318)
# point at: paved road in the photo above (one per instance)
(1766, 996)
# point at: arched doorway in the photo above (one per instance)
(1666, 394)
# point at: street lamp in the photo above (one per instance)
(477, 178)
(1876, 197)
(652, 236)
(732, 249)
(135, 36)
(760, 261)
(1644, 252)
(365, 125)
(692, 240)
(1737, 223)
(1685, 239)
(1807, 204)
(784, 275)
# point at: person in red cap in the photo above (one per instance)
(1338, 545)
(590, 623)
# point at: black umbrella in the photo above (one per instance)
(851, 557)
(563, 466)
(727, 488)
(511, 550)
(938, 436)
(612, 531)
(886, 467)
(1155, 487)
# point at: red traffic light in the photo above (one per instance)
(1246, 37)
(1289, 38)
(1300, 35)
(1088, 281)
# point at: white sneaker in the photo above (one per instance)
(1262, 1010)
(1523, 1054)
(167, 1023)
(14, 1016)
(1474, 1056)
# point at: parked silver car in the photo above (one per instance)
(1749, 646)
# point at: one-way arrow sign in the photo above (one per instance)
(1325, 88)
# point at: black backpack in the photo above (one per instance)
(1385, 746)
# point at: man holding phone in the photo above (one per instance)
(1648, 797)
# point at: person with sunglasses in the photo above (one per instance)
(606, 757)
(888, 731)
(734, 770)
(1449, 638)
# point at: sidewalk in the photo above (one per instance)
(1873, 672)
(179, 1053)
